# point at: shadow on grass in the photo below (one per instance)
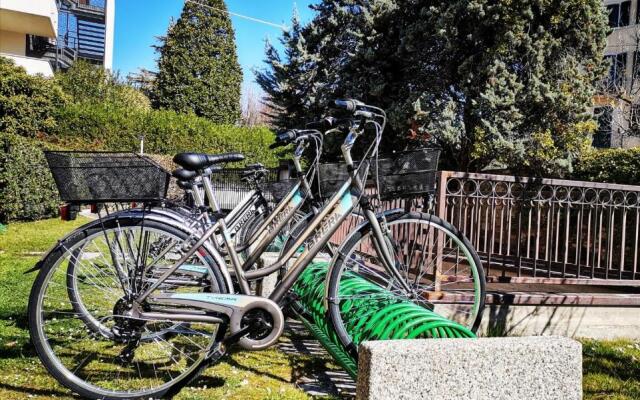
(229, 360)
(599, 359)
(18, 319)
(208, 381)
(36, 392)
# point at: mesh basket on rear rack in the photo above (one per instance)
(403, 175)
(98, 177)
(333, 176)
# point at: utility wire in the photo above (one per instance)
(260, 21)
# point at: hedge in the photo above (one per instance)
(27, 189)
(88, 108)
(610, 165)
(27, 103)
(105, 127)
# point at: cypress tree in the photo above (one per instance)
(198, 69)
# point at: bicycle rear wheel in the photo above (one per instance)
(89, 341)
(436, 262)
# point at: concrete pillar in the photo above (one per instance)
(110, 20)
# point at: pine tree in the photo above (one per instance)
(300, 83)
(287, 83)
(198, 69)
(518, 81)
(503, 84)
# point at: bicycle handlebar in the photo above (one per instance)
(289, 136)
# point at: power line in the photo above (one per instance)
(258, 20)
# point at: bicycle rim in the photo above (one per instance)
(442, 270)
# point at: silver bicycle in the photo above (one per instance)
(162, 331)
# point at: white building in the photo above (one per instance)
(18, 20)
(47, 35)
(618, 107)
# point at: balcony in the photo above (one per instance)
(32, 65)
(37, 17)
(90, 8)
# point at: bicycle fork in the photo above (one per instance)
(384, 248)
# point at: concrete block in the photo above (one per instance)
(515, 368)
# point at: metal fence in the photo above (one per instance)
(541, 230)
(526, 230)
(529, 230)
(230, 189)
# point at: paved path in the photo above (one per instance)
(318, 381)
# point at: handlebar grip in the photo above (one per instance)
(347, 104)
(325, 123)
(284, 138)
(287, 135)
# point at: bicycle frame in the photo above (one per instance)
(242, 213)
(314, 237)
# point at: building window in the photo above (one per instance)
(619, 14)
(602, 137)
(617, 68)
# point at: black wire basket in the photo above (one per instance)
(332, 177)
(101, 177)
(278, 190)
(407, 174)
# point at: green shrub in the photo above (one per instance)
(27, 189)
(27, 103)
(610, 165)
(88, 83)
(107, 127)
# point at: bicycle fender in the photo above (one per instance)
(157, 216)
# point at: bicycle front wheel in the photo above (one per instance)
(439, 269)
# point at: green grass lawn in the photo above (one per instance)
(611, 368)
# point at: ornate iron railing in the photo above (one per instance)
(537, 230)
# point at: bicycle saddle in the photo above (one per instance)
(200, 161)
(253, 167)
(184, 185)
(182, 174)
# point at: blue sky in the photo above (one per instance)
(139, 22)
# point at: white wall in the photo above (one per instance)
(13, 43)
(39, 16)
(32, 65)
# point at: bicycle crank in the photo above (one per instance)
(259, 321)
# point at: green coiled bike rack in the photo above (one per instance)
(390, 317)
